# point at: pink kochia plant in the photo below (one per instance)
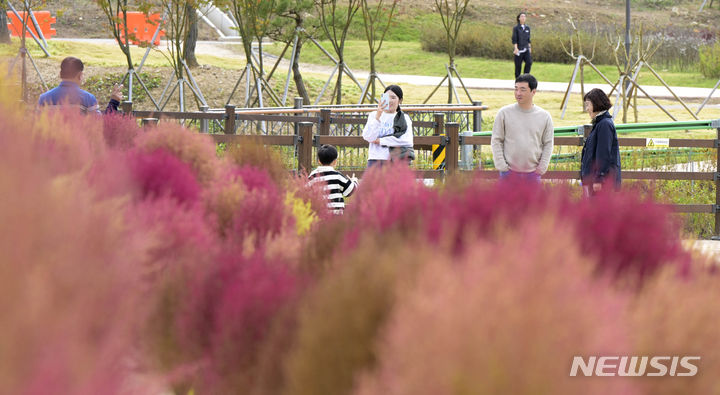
(160, 174)
(262, 212)
(505, 317)
(623, 233)
(69, 296)
(120, 131)
(229, 316)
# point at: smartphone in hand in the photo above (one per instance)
(385, 101)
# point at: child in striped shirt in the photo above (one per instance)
(335, 185)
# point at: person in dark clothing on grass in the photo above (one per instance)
(600, 163)
(521, 45)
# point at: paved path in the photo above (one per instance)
(484, 83)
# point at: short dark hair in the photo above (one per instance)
(70, 67)
(518, 16)
(532, 81)
(327, 154)
(599, 100)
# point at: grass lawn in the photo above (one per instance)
(409, 58)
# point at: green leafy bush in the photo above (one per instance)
(492, 41)
(709, 65)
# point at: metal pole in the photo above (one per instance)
(204, 122)
(27, 30)
(36, 24)
(477, 127)
(708, 98)
(152, 41)
(466, 153)
(292, 61)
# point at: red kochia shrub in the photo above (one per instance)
(261, 212)
(69, 294)
(160, 174)
(626, 236)
(228, 317)
(504, 317)
(120, 131)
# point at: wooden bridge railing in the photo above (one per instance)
(446, 133)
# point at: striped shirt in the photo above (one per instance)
(336, 186)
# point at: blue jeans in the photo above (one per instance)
(375, 162)
(515, 175)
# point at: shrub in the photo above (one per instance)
(69, 296)
(195, 149)
(340, 318)
(501, 319)
(120, 131)
(709, 55)
(674, 316)
(228, 317)
(494, 42)
(159, 174)
(679, 49)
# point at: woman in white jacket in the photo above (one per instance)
(389, 131)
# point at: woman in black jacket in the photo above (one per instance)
(600, 163)
(521, 45)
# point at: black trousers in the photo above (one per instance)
(525, 56)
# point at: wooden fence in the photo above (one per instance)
(313, 130)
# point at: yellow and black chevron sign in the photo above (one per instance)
(438, 152)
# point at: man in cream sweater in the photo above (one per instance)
(522, 137)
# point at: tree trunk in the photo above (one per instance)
(372, 76)
(191, 38)
(297, 77)
(338, 85)
(4, 32)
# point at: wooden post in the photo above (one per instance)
(229, 119)
(717, 188)
(451, 149)
(324, 122)
(126, 107)
(439, 123)
(305, 147)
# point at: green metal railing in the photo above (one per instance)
(628, 128)
(576, 135)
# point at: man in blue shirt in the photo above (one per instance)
(69, 94)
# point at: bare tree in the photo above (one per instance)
(254, 21)
(177, 16)
(116, 13)
(191, 39)
(377, 20)
(452, 16)
(335, 22)
(4, 32)
(295, 34)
